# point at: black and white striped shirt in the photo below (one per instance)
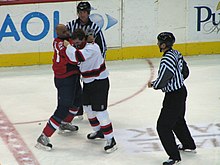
(99, 37)
(170, 77)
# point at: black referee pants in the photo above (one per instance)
(171, 120)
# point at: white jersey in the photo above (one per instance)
(91, 63)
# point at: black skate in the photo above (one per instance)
(43, 142)
(110, 145)
(171, 162)
(181, 148)
(67, 129)
(96, 135)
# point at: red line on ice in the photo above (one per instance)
(15, 143)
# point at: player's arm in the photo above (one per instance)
(77, 55)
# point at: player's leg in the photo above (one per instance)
(52, 125)
(69, 94)
(99, 104)
(59, 115)
(66, 127)
(107, 129)
(91, 115)
(88, 91)
(80, 112)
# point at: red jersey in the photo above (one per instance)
(62, 66)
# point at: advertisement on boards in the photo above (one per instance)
(204, 20)
(13, 2)
(31, 27)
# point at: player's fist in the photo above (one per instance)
(90, 39)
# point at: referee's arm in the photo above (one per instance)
(163, 79)
(100, 40)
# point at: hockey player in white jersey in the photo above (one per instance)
(95, 86)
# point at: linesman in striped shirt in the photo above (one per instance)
(84, 22)
(171, 119)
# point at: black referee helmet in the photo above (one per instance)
(84, 6)
(167, 38)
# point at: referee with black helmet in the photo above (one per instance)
(172, 72)
(84, 22)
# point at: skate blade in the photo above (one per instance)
(42, 147)
(97, 139)
(111, 150)
(190, 151)
(66, 133)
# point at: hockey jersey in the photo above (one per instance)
(91, 62)
(62, 66)
(99, 37)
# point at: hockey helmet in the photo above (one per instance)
(167, 38)
(84, 6)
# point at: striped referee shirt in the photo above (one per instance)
(170, 77)
(99, 37)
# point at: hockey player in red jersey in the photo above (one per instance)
(95, 86)
(66, 80)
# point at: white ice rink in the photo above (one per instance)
(28, 99)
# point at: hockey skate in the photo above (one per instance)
(110, 145)
(43, 142)
(181, 148)
(80, 117)
(96, 135)
(67, 129)
(171, 162)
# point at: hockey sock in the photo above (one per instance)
(52, 124)
(106, 125)
(94, 123)
(92, 118)
(107, 131)
(72, 113)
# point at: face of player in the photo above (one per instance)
(83, 16)
(63, 33)
(79, 43)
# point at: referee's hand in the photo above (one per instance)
(149, 84)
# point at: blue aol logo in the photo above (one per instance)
(99, 20)
(207, 19)
(8, 28)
